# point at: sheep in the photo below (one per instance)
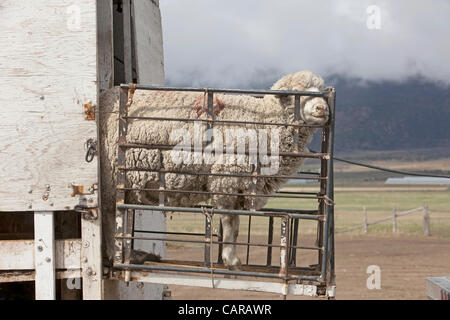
(270, 109)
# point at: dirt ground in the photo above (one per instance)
(405, 263)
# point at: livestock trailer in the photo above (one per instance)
(56, 57)
(60, 55)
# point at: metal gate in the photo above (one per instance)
(286, 278)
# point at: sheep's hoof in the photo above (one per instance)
(232, 263)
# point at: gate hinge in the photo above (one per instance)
(87, 213)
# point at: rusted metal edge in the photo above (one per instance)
(29, 275)
(89, 111)
(82, 190)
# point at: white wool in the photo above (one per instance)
(271, 109)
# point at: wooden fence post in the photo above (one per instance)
(394, 220)
(426, 221)
(366, 226)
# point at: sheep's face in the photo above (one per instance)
(314, 110)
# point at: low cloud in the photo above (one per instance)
(246, 43)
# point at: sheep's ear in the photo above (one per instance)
(284, 83)
(299, 81)
(317, 82)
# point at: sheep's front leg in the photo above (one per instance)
(230, 227)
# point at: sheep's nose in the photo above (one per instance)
(320, 110)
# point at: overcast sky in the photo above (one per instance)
(236, 42)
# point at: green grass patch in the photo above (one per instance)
(348, 212)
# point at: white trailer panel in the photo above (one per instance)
(48, 73)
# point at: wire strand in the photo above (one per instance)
(409, 173)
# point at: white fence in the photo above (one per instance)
(395, 215)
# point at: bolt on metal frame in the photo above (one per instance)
(322, 275)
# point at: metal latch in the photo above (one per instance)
(83, 190)
(91, 146)
(87, 213)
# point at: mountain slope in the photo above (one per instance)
(381, 115)
(391, 116)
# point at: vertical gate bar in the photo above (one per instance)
(128, 243)
(207, 241)
(293, 251)
(332, 104)
(254, 179)
(291, 226)
(296, 118)
(323, 190)
(220, 239)
(284, 249)
(129, 230)
(127, 42)
(210, 113)
(270, 241)
(133, 228)
(161, 180)
(120, 194)
(248, 239)
(328, 250)
(209, 139)
(284, 245)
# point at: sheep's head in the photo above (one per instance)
(314, 110)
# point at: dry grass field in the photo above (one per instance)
(405, 263)
(379, 202)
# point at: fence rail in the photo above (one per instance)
(393, 218)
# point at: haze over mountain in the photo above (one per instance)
(383, 115)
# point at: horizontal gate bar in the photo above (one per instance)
(313, 195)
(235, 152)
(303, 211)
(242, 175)
(215, 271)
(277, 124)
(217, 242)
(175, 233)
(323, 94)
(224, 283)
(224, 211)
